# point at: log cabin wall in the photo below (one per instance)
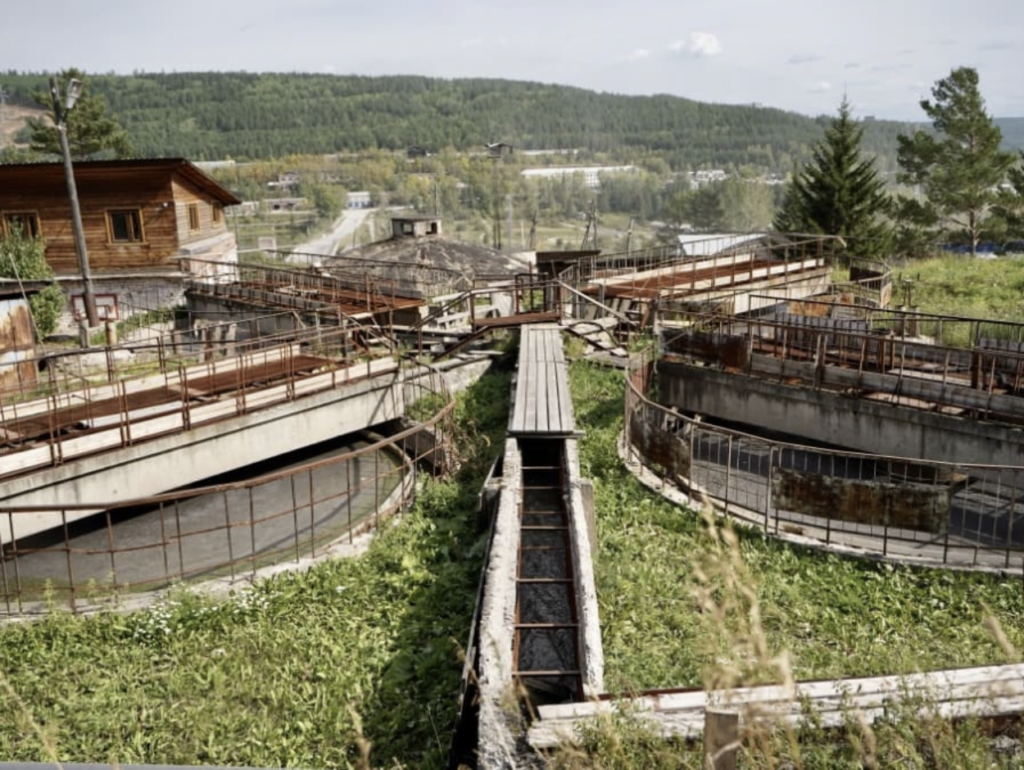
(209, 214)
(135, 214)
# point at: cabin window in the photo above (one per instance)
(218, 213)
(26, 222)
(125, 225)
(193, 217)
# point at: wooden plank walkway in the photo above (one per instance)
(542, 405)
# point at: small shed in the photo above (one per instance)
(415, 227)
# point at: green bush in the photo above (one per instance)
(22, 258)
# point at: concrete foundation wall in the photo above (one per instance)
(832, 418)
(134, 293)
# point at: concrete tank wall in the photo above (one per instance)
(832, 418)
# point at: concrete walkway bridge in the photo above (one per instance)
(173, 411)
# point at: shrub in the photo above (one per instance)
(22, 258)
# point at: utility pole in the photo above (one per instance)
(60, 115)
(496, 241)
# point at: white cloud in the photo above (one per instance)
(820, 87)
(698, 44)
(638, 55)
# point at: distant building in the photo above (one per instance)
(706, 176)
(281, 205)
(591, 174)
(285, 181)
(359, 200)
(499, 149)
(415, 227)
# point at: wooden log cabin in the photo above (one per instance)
(143, 220)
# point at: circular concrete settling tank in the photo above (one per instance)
(231, 529)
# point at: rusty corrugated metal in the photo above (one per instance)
(922, 507)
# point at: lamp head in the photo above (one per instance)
(74, 91)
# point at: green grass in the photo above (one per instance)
(683, 605)
(962, 286)
(277, 676)
(834, 616)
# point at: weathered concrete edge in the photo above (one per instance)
(591, 650)
(498, 708)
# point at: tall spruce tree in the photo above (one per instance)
(959, 166)
(839, 192)
(91, 131)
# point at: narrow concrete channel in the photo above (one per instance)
(545, 645)
(537, 640)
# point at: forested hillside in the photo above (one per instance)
(211, 115)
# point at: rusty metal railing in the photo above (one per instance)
(880, 353)
(964, 516)
(178, 395)
(226, 530)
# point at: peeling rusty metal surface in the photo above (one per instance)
(923, 507)
(659, 446)
(728, 351)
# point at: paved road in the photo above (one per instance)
(338, 238)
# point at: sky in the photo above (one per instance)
(799, 55)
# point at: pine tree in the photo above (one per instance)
(959, 166)
(90, 130)
(839, 192)
(1010, 203)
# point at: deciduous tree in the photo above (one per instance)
(959, 166)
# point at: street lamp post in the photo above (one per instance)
(60, 114)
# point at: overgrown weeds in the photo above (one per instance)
(277, 675)
(686, 601)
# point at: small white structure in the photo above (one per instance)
(359, 200)
(415, 227)
(591, 174)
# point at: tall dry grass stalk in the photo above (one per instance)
(726, 596)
